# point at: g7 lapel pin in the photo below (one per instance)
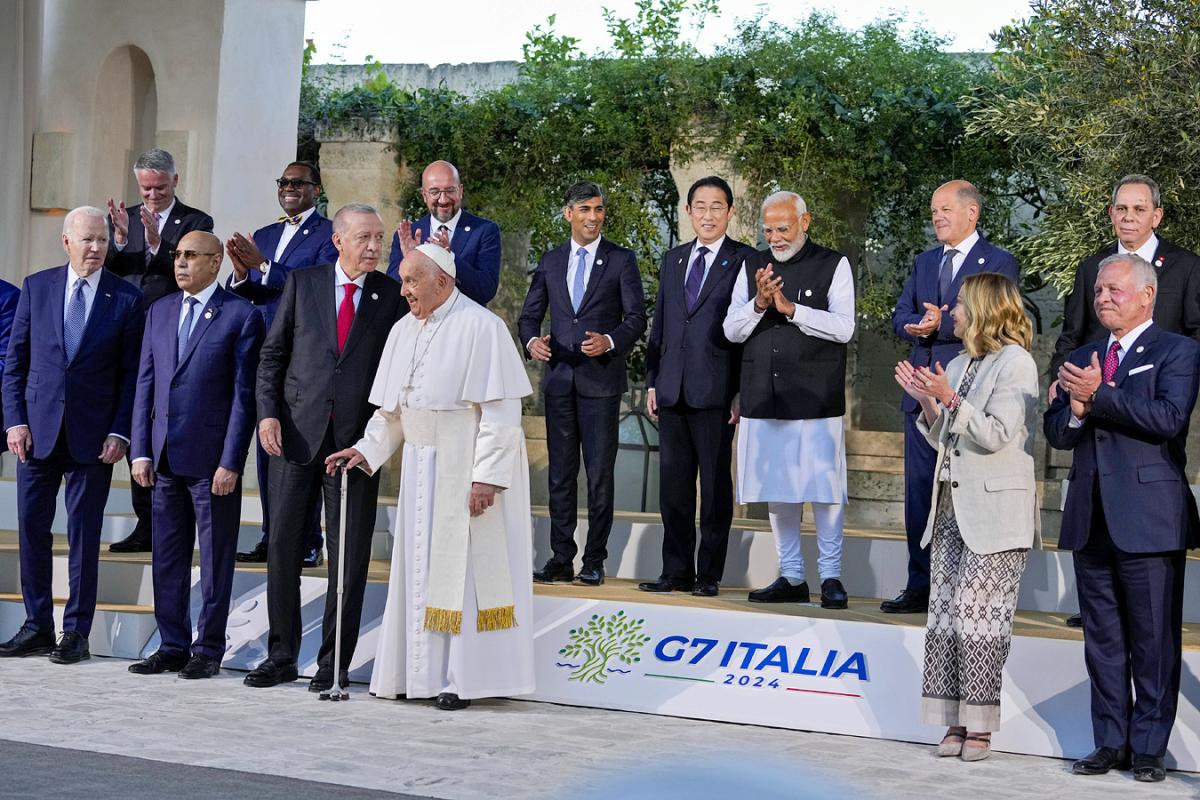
(1158, 262)
(208, 314)
(1139, 349)
(599, 262)
(374, 296)
(981, 261)
(176, 222)
(306, 231)
(808, 292)
(466, 229)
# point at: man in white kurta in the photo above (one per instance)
(458, 623)
(793, 307)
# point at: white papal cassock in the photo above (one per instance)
(455, 376)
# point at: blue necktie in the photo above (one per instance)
(185, 328)
(580, 285)
(695, 279)
(946, 276)
(74, 321)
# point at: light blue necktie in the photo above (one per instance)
(185, 328)
(74, 321)
(580, 285)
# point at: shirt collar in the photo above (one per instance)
(203, 296)
(92, 280)
(713, 248)
(166, 212)
(303, 215)
(591, 249)
(1129, 338)
(451, 224)
(964, 247)
(1146, 251)
(340, 278)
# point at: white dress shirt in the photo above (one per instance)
(709, 258)
(960, 253)
(340, 279)
(1146, 251)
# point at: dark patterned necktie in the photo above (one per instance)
(695, 279)
(946, 276)
(74, 320)
(1111, 362)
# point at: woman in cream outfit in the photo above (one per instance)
(980, 414)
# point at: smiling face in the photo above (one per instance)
(710, 214)
(424, 284)
(86, 244)
(297, 191)
(586, 218)
(960, 317)
(1120, 304)
(1133, 215)
(954, 218)
(441, 190)
(157, 189)
(784, 229)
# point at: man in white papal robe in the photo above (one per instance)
(458, 623)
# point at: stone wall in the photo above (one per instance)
(468, 79)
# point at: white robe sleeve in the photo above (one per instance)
(498, 446)
(382, 436)
(741, 319)
(836, 324)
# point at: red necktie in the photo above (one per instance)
(1111, 362)
(346, 315)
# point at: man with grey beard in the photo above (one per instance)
(793, 306)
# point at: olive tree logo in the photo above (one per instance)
(601, 640)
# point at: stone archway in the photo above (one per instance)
(124, 124)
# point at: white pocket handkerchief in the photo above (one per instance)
(1142, 368)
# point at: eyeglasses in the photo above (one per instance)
(717, 209)
(451, 192)
(293, 183)
(190, 255)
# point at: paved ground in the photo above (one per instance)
(495, 749)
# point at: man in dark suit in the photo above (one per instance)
(9, 295)
(141, 240)
(68, 396)
(475, 241)
(314, 376)
(300, 238)
(1122, 408)
(193, 417)
(691, 378)
(593, 291)
(920, 317)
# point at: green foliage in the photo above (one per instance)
(1087, 91)
(601, 640)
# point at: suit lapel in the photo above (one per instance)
(306, 230)
(364, 315)
(101, 310)
(1143, 348)
(598, 268)
(58, 293)
(462, 234)
(975, 261)
(207, 315)
(676, 276)
(271, 241)
(320, 306)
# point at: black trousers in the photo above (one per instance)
(575, 423)
(294, 488)
(692, 440)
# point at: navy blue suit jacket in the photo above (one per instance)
(689, 348)
(312, 245)
(200, 412)
(476, 248)
(922, 287)
(613, 304)
(94, 391)
(9, 295)
(1132, 442)
(157, 278)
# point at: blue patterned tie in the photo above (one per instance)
(946, 276)
(695, 279)
(185, 328)
(580, 285)
(74, 321)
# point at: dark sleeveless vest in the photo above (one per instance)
(787, 374)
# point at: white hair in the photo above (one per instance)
(82, 211)
(1144, 274)
(785, 197)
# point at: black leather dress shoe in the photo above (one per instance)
(781, 591)
(665, 584)
(907, 602)
(28, 642)
(590, 576)
(271, 673)
(448, 701)
(159, 662)
(833, 594)
(72, 648)
(136, 542)
(1101, 760)
(323, 680)
(1148, 769)
(1074, 621)
(706, 588)
(200, 666)
(256, 556)
(554, 572)
(314, 558)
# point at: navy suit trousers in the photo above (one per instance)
(87, 486)
(919, 466)
(184, 508)
(1132, 608)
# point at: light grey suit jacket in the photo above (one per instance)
(991, 461)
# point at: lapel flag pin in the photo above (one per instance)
(306, 231)
(106, 294)
(374, 296)
(725, 262)
(1140, 349)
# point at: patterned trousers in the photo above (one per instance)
(972, 599)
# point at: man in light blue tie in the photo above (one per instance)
(593, 291)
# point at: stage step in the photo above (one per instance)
(120, 630)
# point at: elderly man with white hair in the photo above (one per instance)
(793, 306)
(458, 623)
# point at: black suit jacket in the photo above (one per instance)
(1176, 306)
(688, 356)
(613, 304)
(303, 380)
(156, 279)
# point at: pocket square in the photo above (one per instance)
(1142, 368)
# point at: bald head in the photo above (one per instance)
(198, 259)
(955, 210)
(442, 190)
(424, 284)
